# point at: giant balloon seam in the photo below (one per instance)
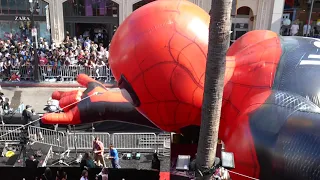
(270, 111)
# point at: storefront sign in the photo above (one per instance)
(22, 18)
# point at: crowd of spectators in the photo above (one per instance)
(72, 51)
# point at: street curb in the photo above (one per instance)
(51, 85)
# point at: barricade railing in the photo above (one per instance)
(69, 73)
(10, 134)
(83, 141)
(142, 142)
(25, 73)
(134, 141)
(49, 137)
(164, 143)
(62, 73)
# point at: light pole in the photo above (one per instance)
(34, 7)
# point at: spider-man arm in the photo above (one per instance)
(285, 124)
(94, 104)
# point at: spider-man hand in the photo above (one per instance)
(96, 103)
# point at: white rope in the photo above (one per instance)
(243, 175)
(95, 93)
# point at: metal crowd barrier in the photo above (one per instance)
(10, 134)
(25, 73)
(134, 141)
(164, 144)
(142, 142)
(64, 73)
(69, 73)
(50, 137)
(83, 141)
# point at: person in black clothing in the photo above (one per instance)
(27, 115)
(2, 102)
(6, 106)
(26, 119)
(47, 175)
(32, 162)
(155, 162)
(31, 165)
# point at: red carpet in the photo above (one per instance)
(164, 175)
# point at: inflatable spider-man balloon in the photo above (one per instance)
(270, 114)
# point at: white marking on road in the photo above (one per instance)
(317, 44)
(310, 62)
(314, 56)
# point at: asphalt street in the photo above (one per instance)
(36, 97)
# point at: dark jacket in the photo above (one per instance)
(35, 117)
(88, 163)
(155, 164)
(26, 116)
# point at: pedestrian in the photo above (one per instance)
(27, 115)
(84, 175)
(114, 157)
(47, 175)
(2, 102)
(155, 164)
(26, 119)
(35, 118)
(86, 162)
(98, 150)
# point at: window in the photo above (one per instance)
(90, 8)
(19, 7)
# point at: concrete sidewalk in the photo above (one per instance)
(48, 84)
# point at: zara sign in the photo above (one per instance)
(22, 18)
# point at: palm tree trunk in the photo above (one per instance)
(219, 38)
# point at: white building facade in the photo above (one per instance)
(254, 14)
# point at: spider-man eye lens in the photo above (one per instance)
(124, 84)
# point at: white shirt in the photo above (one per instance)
(83, 178)
(294, 29)
(107, 54)
(55, 103)
(305, 27)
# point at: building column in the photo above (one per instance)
(204, 4)
(56, 20)
(129, 7)
(263, 14)
(276, 18)
(121, 9)
(269, 15)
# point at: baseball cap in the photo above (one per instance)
(28, 106)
